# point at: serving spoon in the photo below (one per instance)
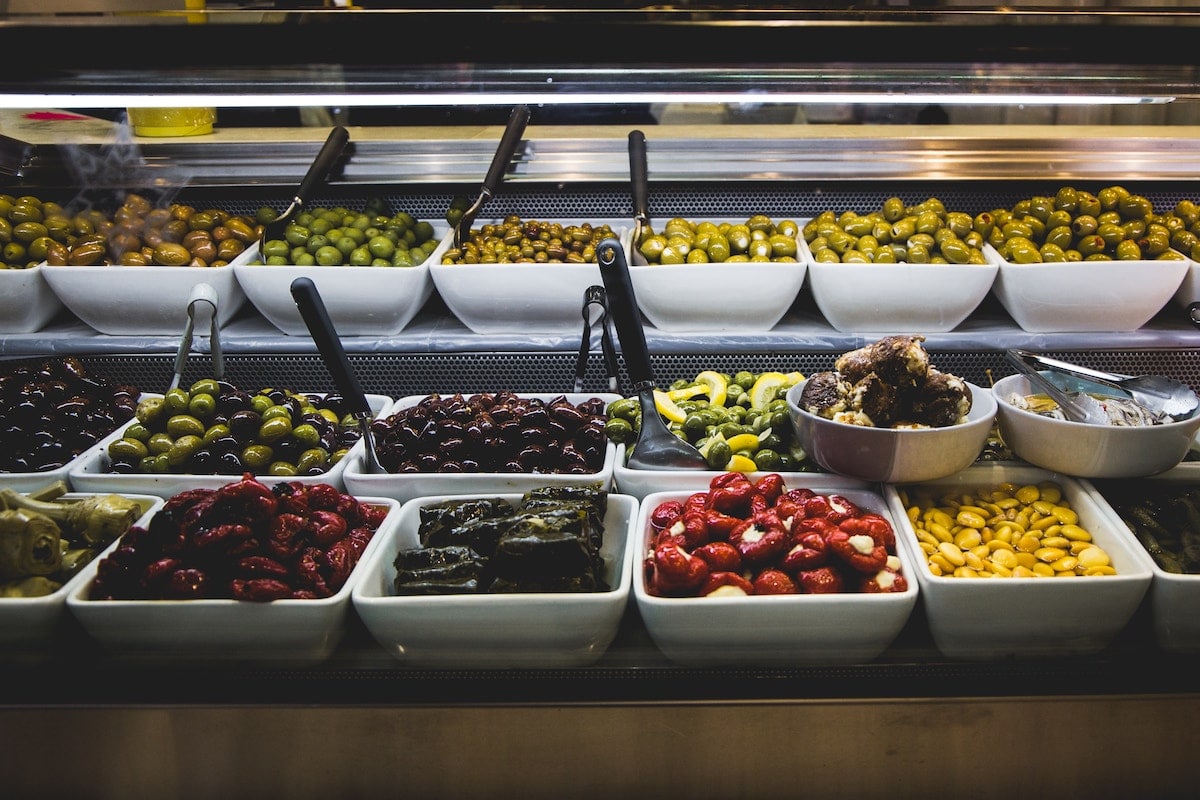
(1159, 394)
(655, 447)
(1080, 407)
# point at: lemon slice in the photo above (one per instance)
(715, 386)
(767, 385)
(666, 406)
(744, 441)
(687, 392)
(741, 464)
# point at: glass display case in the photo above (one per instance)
(746, 109)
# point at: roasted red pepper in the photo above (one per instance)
(859, 552)
(730, 493)
(873, 525)
(697, 501)
(883, 582)
(760, 538)
(726, 583)
(770, 486)
(720, 556)
(774, 581)
(719, 525)
(666, 514)
(675, 571)
(808, 551)
(822, 580)
(328, 527)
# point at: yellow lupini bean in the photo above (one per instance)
(1009, 531)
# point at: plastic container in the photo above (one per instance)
(172, 121)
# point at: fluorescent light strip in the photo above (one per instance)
(68, 101)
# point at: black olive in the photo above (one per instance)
(229, 464)
(245, 424)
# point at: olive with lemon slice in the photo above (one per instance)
(738, 422)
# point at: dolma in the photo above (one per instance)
(439, 520)
(547, 549)
(437, 570)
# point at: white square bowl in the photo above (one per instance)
(522, 298)
(211, 629)
(35, 620)
(361, 301)
(774, 630)
(27, 301)
(405, 487)
(1174, 596)
(89, 473)
(987, 619)
(500, 630)
(716, 297)
(885, 298)
(146, 301)
(1086, 295)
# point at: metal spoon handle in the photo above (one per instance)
(335, 143)
(614, 269)
(316, 317)
(639, 176)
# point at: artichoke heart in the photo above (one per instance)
(30, 544)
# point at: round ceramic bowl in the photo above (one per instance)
(1083, 450)
(893, 455)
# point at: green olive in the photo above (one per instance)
(185, 425)
(214, 432)
(257, 456)
(205, 386)
(159, 443)
(281, 469)
(136, 430)
(311, 459)
(202, 405)
(176, 401)
(1128, 250)
(274, 429)
(183, 449)
(127, 449)
(149, 410)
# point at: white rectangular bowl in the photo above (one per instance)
(501, 630)
(361, 301)
(146, 301)
(1174, 598)
(716, 297)
(776, 630)
(27, 301)
(524, 298)
(30, 481)
(279, 630)
(89, 475)
(985, 619)
(35, 620)
(1086, 296)
(885, 298)
(411, 485)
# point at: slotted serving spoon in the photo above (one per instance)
(1078, 407)
(312, 308)
(656, 447)
(329, 153)
(1157, 393)
(513, 132)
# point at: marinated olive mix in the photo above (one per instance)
(53, 412)
(493, 432)
(339, 237)
(925, 233)
(516, 240)
(214, 428)
(141, 234)
(32, 229)
(738, 422)
(1076, 225)
(759, 238)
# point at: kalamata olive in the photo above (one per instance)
(229, 464)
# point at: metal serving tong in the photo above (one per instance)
(595, 314)
(202, 294)
(513, 132)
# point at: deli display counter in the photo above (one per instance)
(747, 109)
